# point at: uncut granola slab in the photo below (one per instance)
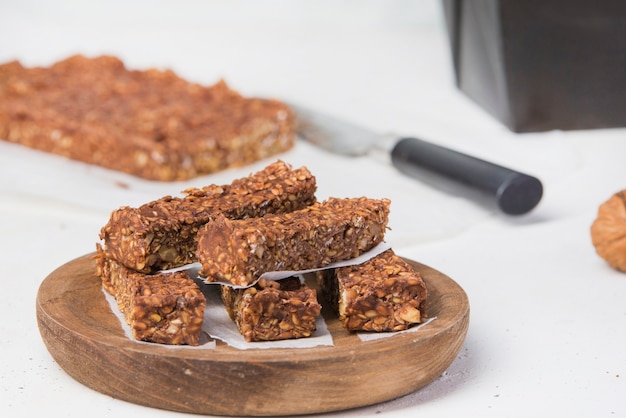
(151, 123)
(273, 310)
(163, 234)
(383, 294)
(165, 308)
(239, 251)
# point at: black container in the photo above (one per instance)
(539, 65)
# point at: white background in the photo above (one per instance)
(548, 317)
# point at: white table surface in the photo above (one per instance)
(548, 317)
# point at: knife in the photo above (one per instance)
(514, 193)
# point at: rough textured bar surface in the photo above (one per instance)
(382, 294)
(163, 234)
(239, 251)
(150, 123)
(161, 308)
(273, 310)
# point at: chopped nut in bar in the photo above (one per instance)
(239, 251)
(383, 294)
(162, 234)
(273, 310)
(149, 123)
(165, 308)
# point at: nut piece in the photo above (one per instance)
(383, 294)
(608, 231)
(273, 310)
(160, 308)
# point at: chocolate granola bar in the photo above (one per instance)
(239, 251)
(152, 123)
(163, 234)
(165, 308)
(273, 310)
(383, 294)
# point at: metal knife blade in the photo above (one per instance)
(333, 134)
(515, 193)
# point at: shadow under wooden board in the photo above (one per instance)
(86, 339)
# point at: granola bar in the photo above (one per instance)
(162, 234)
(383, 294)
(151, 123)
(165, 308)
(273, 310)
(239, 251)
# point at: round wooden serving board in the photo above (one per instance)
(86, 339)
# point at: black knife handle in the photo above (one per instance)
(515, 193)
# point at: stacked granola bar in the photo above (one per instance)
(273, 310)
(383, 294)
(239, 251)
(268, 221)
(139, 242)
(166, 308)
(162, 234)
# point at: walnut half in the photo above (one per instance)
(608, 231)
